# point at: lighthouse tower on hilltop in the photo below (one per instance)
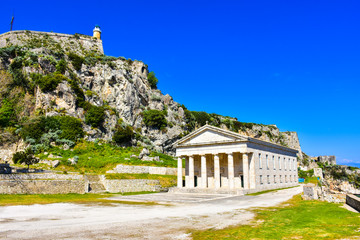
(97, 32)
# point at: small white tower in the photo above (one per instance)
(97, 32)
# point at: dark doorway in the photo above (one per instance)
(195, 181)
(242, 181)
(220, 181)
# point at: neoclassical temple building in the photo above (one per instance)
(217, 160)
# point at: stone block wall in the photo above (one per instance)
(67, 42)
(132, 185)
(41, 176)
(353, 201)
(120, 168)
(41, 186)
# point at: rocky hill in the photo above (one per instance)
(61, 87)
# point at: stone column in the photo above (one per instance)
(252, 172)
(179, 173)
(203, 172)
(217, 170)
(191, 171)
(231, 170)
(246, 170)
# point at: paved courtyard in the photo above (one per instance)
(182, 212)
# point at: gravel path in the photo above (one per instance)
(123, 221)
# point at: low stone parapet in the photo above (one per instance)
(353, 201)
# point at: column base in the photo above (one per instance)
(225, 191)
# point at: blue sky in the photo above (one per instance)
(295, 64)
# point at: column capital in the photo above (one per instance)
(230, 153)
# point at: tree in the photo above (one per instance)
(25, 157)
(7, 114)
(152, 80)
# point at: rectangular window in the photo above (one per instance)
(268, 179)
(285, 164)
(289, 165)
(274, 161)
(267, 162)
(274, 178)
(280, 179)
(261, 180)
(294, 165)
(279, 163)
(260, 163)
(285, 179)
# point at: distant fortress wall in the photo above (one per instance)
(78, 43)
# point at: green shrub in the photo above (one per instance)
(10, 52)
(71, 128)
(201, 117)
(61, 66)
(155, 118)
(152, 80)
(15, 68)
(49, 82)
(123, 135)
(95, 116)
(7, 114)
(76, 61)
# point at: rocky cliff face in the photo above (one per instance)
(122, 88)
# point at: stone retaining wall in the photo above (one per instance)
(353, 201)
(131, 185)
(51, 183)
(66, 42)
(41, 186)
(41, 176)
(120, 168)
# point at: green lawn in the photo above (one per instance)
(294, 219)
(29, 199)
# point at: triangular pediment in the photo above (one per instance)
(209, 134)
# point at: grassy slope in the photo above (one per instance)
(98, 158)
(295, 219)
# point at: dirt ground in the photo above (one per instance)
(173, 220)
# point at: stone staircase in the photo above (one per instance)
(94, 184)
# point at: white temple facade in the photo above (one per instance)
(218, 160)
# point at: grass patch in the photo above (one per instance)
(267, 191)
(89, 198)
(165, 180)
(294, 219)
(313, 180)
(100, 157)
